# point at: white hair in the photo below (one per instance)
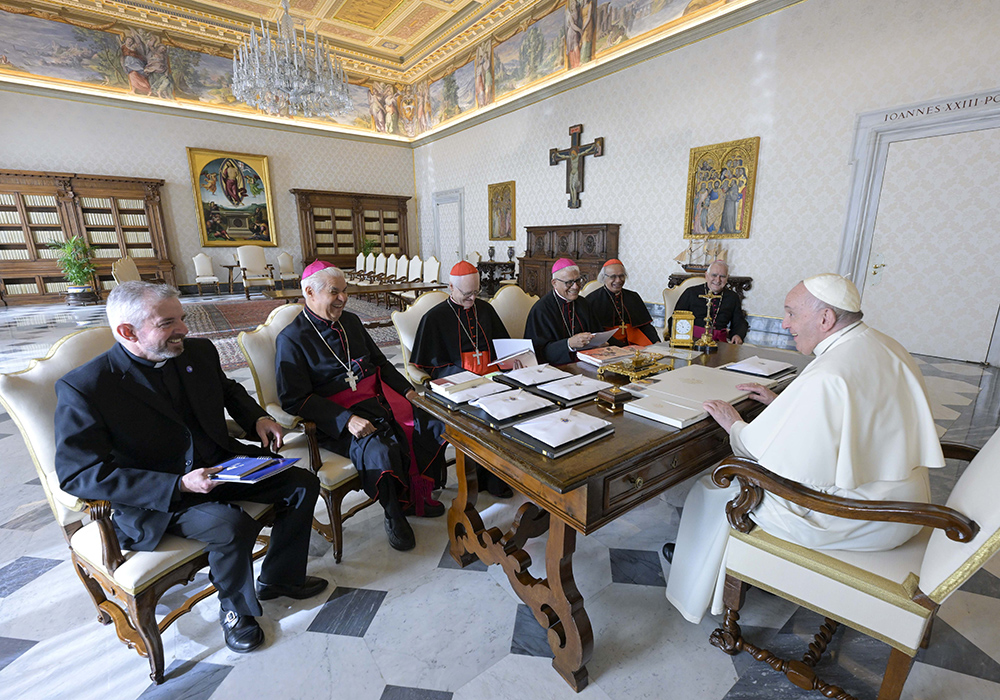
(132, 303)
(316, 280)
(568, 267)
(718, 262)
(453, 278)
(601, 276)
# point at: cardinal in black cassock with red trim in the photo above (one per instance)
(458, 333)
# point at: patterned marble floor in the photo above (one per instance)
(414, 626)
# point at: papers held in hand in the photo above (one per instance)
(559, 433)
(599, 339)
(760, 367)
(250, 470)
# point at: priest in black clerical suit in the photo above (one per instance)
(613, 306)
(729, 323)
(458, 333)
(560, 322)
(331, 372)
(143, 425)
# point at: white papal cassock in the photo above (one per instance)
(856, 423)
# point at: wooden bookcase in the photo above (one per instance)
(589, 245)
(333, 225)
(117, 216)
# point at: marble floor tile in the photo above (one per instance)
(189, 680)
(22, 571)
(636, 566)
(349, 611)
(11, 648)
(30, 516)
(395, 692)
(529, 637)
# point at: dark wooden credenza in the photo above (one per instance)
(590, 245)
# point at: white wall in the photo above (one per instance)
(796, 78)
(47, 133)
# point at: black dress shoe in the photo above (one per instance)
(668, 551)
(400, 533)
(310, 587)
(499, 488)
(242, 632)
(432, 509)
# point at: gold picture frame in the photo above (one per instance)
(503, 211)
(232, 194)
(721, 182)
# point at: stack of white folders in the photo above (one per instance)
(530, 376)
(677, 398)
(559, 433)
(506, 408)
(572, 390)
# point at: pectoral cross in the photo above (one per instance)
(623, 329)
(352, 379)
(706, 338)
(574, 156)
(478, 354)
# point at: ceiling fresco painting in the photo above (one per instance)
(413, 65)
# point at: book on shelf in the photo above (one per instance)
(40, 200)
(559, 433)
(606, 355)
(13, 254)
(250, 470)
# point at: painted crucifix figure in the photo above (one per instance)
(574, 156)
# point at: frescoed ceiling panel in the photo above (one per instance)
(396, 52)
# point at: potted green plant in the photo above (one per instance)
(74, 259)
(368, 245)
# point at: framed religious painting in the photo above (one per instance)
(502, 211)
(232, 192)
(721, 180)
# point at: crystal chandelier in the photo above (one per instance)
(283, 73)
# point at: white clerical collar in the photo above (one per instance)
(562, 297)
(828, 342)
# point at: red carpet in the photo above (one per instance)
(222, 322)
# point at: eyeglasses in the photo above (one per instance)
(615, 277)
(467, 295)
(576, 282)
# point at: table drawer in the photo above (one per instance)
(635, 483)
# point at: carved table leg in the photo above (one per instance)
(463, 518)
(555, 601)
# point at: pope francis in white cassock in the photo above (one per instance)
(856, 423)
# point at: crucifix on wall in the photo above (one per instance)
(574, 156)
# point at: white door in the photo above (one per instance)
(449, 229)
(933, 280)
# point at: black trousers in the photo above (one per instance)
(229, 533)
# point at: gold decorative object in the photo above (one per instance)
(642, 365)
(613, 400)
(706, 341)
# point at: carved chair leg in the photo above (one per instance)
(820, 642)
(729, 637)
(96, 593)
(333, 506)
(895, 676)
(142, 610)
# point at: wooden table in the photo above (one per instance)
(230, 269)
(577, 493)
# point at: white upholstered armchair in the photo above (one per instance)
(892, 595)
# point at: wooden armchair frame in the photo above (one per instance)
(754, 480)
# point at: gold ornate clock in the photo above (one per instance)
(682, 329)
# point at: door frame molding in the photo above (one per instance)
(874, 132)
(455, 196)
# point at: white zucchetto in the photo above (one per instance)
(834, 290)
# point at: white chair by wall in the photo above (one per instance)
(256, 272)
(402, 265)
(337, 475)
(359, 267)
(286, 269)
(415, 270)
(203, 272)
(512, 305)
(125, 586)
(430, 274)
(406, 324)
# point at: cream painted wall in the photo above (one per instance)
(45, 133)
(796, 78)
